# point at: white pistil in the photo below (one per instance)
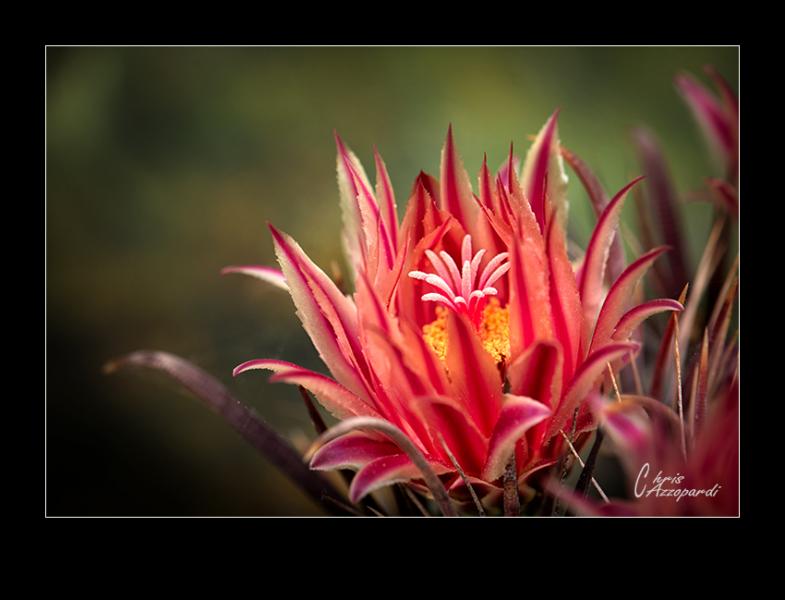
(465, 289)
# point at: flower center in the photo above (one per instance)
(467, 291)
(494, 331)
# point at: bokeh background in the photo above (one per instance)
(164, 164)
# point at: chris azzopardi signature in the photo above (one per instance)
(668, 486)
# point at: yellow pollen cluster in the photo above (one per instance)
(494, 331)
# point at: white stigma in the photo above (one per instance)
(465, 289)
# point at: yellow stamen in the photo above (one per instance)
(494, 331)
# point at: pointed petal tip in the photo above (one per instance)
(248, 365)
(449, 142)
(343, 150)
(553, 120)
(337, 138)
(271, 364)
(637, 179)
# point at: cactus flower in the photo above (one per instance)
(468, 328)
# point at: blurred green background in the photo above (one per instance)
(163, 165)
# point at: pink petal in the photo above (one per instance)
(353, 235)
(729, 99)
(351, 451)
(384, 191)
(509, 168)
(427, 469)
(619, 297)
(635, 316)
(599, 200)
(537, 373)
(488, 197)
(726, 196)
(536, 168)
(422, 213)
(717, 124)
(421, 359)
(663, 199)
(517, 416)
(565, 300)
(585, 379)
(268, 274)
(397, 468)
(405, 298)
(529, 303)
(332, 395)
(475, 378)
(353, 180)
(628, 426)
(370, 306)
(456, 189)
(328, 316)
(388, 358)
(447, 418)
(596, 257)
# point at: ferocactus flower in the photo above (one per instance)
(469, 329)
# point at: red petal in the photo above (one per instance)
(268, 274)
(509, 169)
(353, 451)
(518, 415)
(537, 373)
(530, 310)
(635, 316)
(384, 191)
(364, 214)
(456, 189)
(629, 428)
(719, 126)
(330, 394)
(620, 296)
(725, 196)
(536, 169)
(447, 418)
(329, 317)
(599, 200)
(662, 197)
(474, 376)
(565, 300)
(585, 379)
(593, 270)
(383, 471)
